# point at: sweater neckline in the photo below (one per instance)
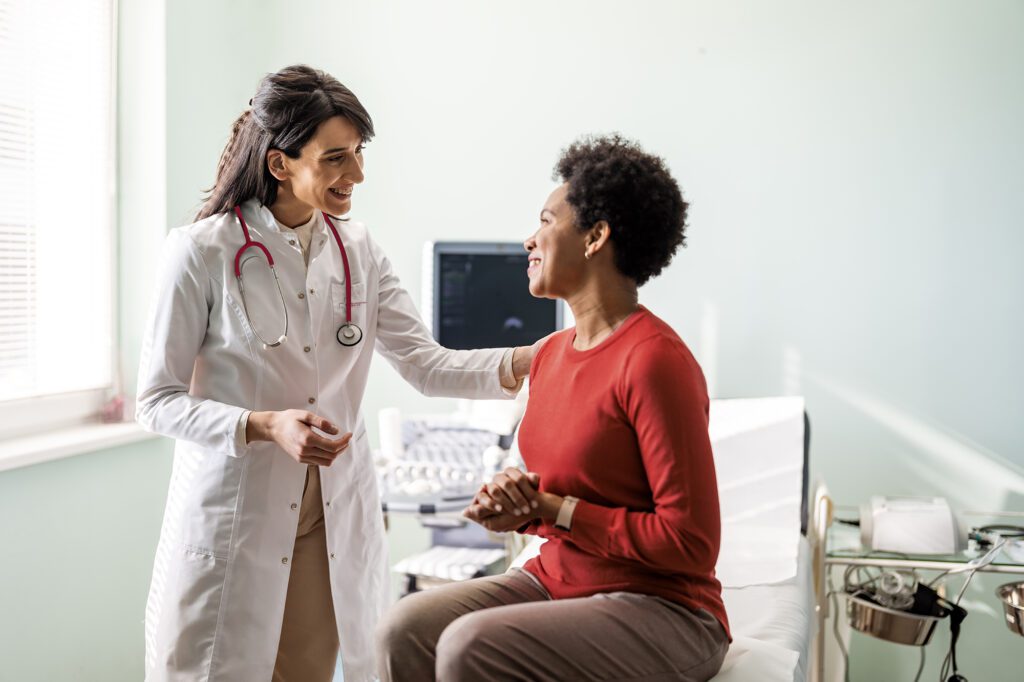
(574, 355)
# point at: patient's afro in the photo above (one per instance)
(612, 179)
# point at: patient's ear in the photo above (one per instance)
(598, 236)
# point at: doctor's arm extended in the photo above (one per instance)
(175, 333)
(404, 340)
(666, 403)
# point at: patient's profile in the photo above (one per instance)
(619, 481)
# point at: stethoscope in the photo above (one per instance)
(348, 334)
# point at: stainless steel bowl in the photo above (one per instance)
(1012, 596)
(891, 625)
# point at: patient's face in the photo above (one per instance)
(556, 250)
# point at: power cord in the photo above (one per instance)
(920, 667)
(957, 613)
(833, 601)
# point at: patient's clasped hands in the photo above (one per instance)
(512, 499)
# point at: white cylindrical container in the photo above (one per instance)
(389, 420)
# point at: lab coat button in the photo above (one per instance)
(294, 506)
(302, 294)
(328, 503)
(284, 560)
(332, 555)
(312, 400)
(292, 242)
(312, 291)
(306, 348)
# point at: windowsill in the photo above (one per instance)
(26, 451)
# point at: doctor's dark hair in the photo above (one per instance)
(611, 178)
(286, 111)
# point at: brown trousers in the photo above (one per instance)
(308, 651)
(507, 627)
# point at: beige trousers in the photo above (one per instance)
(308, 651)
(507, 627)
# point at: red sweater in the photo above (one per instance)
(624, 428)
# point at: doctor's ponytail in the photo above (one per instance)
(286, 111)
(229, 151)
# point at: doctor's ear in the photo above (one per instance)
(276, 165)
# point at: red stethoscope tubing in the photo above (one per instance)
(251, 243)
(344, 263)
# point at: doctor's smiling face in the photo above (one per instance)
(324, 174)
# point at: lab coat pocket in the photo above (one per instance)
(189, 623)
(358, 304)
(214, 493)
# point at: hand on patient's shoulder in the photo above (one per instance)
(522, 356)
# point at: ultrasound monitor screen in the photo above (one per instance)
(482, 300)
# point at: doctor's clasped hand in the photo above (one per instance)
(293, 432)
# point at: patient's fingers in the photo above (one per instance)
(505, 491)
(478, 513)
(525, 486)
(506, 502)
(472, 512)
(487, 502)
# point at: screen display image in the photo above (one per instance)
(482, 298)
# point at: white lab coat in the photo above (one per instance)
(221, 571)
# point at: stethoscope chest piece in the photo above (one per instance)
(349, 334)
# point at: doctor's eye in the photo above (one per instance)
(360, 148)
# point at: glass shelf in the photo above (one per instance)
(844, 548)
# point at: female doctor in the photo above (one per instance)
(255, 360)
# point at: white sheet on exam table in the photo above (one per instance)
(758, 446)
(772, 626)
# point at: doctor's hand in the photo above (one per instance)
(522, 357)
(292, 431)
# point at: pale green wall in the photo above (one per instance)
(854, 173)
(77, 538)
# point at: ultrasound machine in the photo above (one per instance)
(475, 295)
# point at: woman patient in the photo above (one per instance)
(621, 479)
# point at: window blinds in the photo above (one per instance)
(56, 196)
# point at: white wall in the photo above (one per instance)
(855, 172)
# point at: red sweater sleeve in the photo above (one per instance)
(665, 398)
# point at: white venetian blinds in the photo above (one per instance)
(56, 197)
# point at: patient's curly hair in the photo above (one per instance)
(612, 179)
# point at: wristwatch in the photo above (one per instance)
(564, 519)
